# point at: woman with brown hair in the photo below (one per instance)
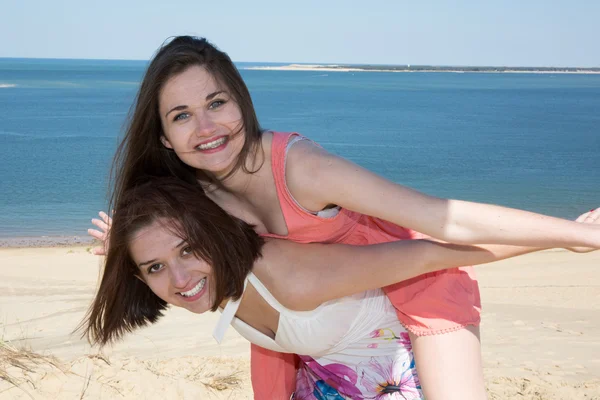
(194, 119)
(170, 244)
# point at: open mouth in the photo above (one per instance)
(213, 144)
(195, 290)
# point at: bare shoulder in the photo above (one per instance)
(266, 141)
(285, 272)
(306, 154)
(305, 164)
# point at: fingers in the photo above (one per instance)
(590, 217)
(97, 234)
(99, 251)
(593, 216)
(107, 220)
(102, 234)
(100, 224)
(583, 216)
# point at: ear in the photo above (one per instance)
(165, 142)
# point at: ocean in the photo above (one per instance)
(530, 141)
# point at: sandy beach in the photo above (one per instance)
(540, 334)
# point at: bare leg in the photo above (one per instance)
(449, 365)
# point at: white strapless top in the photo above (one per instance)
(353, 347)
(330, 328)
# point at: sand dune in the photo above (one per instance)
(540, 334)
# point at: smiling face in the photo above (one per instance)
(201, 120)
(169, 267)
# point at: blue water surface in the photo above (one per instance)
(530, 141)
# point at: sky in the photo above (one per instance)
(539, 33)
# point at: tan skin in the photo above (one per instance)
(169, 267)
(299, 274)
(295, 274)
(191, 113)
(196, 110)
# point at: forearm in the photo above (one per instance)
(302, 276)
(387, 263)
(453, 221)
(484, 223)
(306, 275)
(448, 255)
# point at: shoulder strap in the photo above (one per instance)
(278, 154)
(231, 308)
(227, 316)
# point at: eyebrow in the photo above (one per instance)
(142, 264)
(183, 107)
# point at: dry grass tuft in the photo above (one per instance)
(224, 382)
(98, 357)
(24, 360)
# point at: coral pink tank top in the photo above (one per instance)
(347, 226)
(432, 303)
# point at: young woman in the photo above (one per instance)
(194, 119)
(170, 244)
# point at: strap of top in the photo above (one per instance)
(227, 316)
(265, 294)
(278, 156)
(293, 213)
(228, 313)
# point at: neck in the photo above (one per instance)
(239, 183)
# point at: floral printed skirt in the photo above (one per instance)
(383, 370)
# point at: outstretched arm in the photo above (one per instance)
(317, 179)
(303, 276)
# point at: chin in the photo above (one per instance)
(199, 311)
(199, 308)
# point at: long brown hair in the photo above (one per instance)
(141, 151)
(123, 302)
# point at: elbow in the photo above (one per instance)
(434, 256)
(457, 234)
(300, 298)
(425, 255)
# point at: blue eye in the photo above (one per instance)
(216, 104)
(155, 268)
(181, 116)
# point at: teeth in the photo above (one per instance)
(195, 290)
(212, 145)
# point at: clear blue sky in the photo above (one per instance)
(459, 32)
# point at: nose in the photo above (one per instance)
(179, 275)
(205, 126)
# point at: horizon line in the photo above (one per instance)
(338, 64)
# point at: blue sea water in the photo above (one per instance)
(530, 141)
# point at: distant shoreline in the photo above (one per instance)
(425, 68)
(45, 241)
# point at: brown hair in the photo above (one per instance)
(141, 151)
(228, 244)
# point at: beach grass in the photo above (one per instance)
(17, 363)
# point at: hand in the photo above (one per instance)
(590, 217)
(102, 234)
